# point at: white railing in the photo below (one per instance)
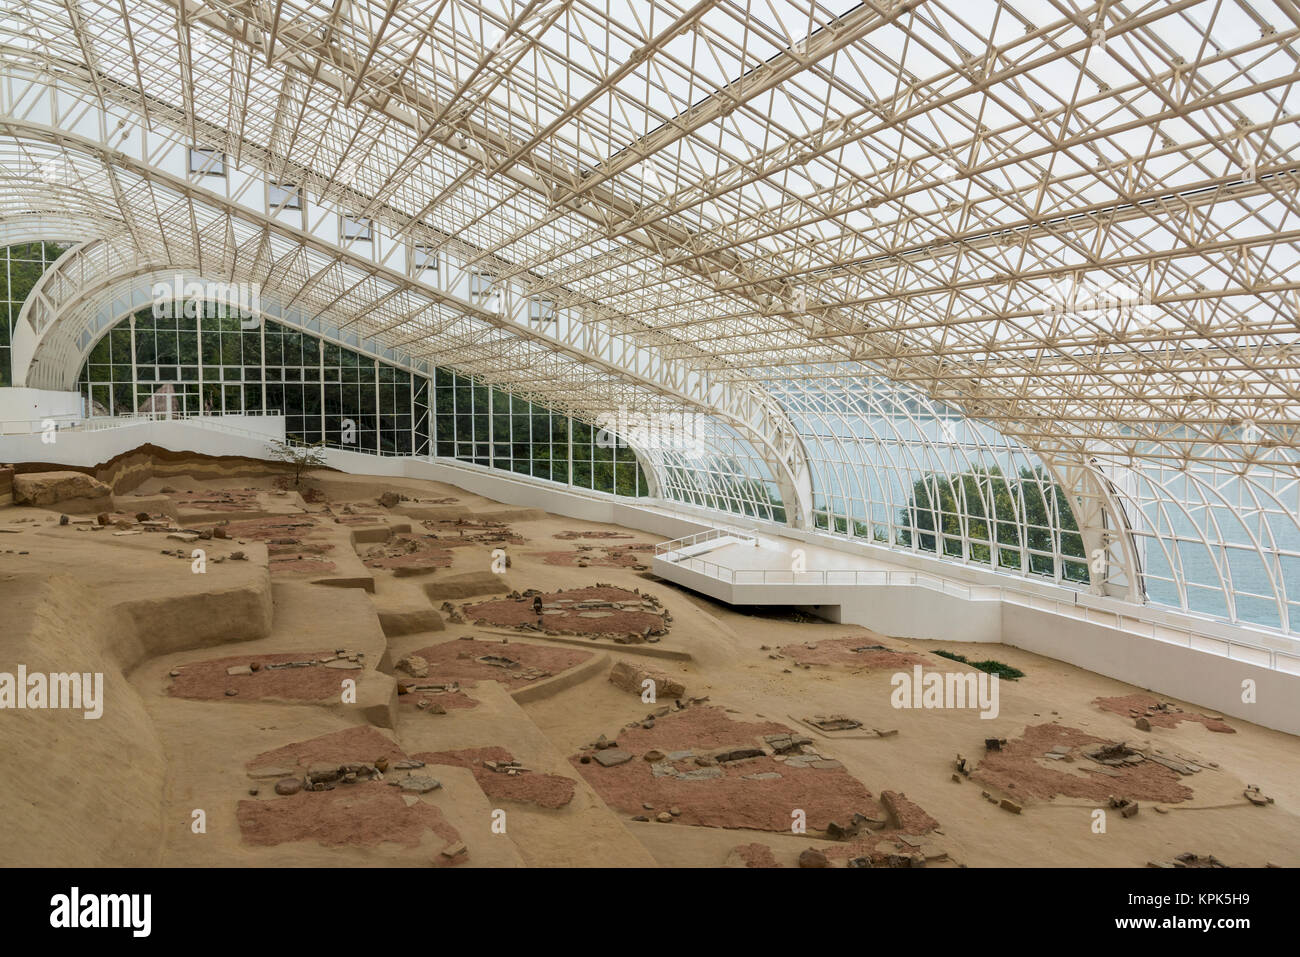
(100, 423)
(1130, 622)
(676, 549)
(96, 422)
(212, 422)
(35, 426)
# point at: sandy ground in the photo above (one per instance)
(272, 667)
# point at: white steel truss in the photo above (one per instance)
(1074, 223)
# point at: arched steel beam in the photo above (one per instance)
(753, 412)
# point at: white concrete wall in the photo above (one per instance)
(503, 487)
(902, 611)
(271, 426)
(19, 405)
(916, 612)
(1212, 681)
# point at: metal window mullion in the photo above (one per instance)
(320, 376)
(135, 376)
(261, 342)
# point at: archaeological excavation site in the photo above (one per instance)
(784, 435)
(331, 669)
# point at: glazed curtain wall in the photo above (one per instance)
(1220, 543)
(21, 266)
(205, 360)
(713, 466)
(477, 423)
(209, 363)
(893, 467)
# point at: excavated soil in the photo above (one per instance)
(408, 551)
(1145, 706)
(453, 533)
(755, 855)
(301, 566)
(297, 549)
(450, 700)
(563, 618)
(570, 535)
(912, 818)
(702, 728)
(219, 500)
(595, 559)
(544, 790)
(735, 799)
(1019, 770)
(208, 681)
(840, 651)
(264, 529)
(458, 660)
(350, 516)
(609, 556)
(359, 815)
(359, 744)
(878, 848)
(199, 748)
(300, 558)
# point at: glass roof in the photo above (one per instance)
(1076, 222)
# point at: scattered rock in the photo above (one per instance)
(288, 786)
(833, 722)
(414, 665)
(813, 858)
(738, 754)
(892, 814)
(1255, 797)
(610, 757)
(48, 488)
(629, 677)
(418, 784)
